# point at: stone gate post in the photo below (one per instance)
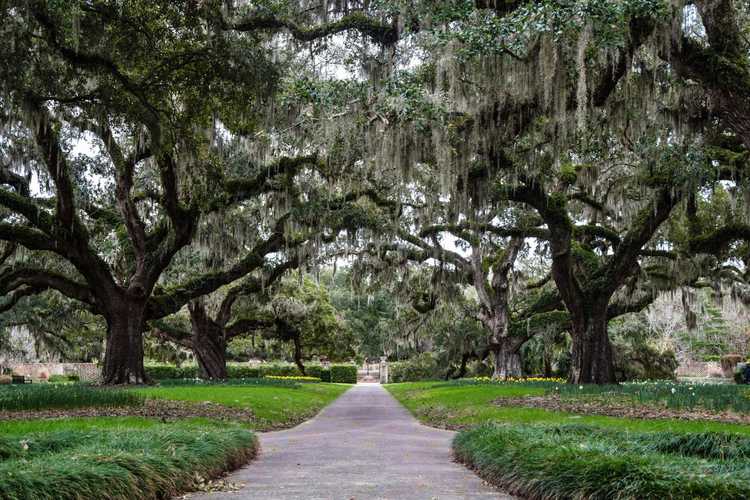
(383, 370)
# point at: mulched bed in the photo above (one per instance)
(614, 409)
(153, 408)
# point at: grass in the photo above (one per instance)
(116, 458)
(674, 395)
(274, 405)
(44, 396)
(131, 457)
(235, 381)
(585, 462)
(463, 405)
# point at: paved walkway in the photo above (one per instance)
(363, 446)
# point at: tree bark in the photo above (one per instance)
(507, 358)
(547, 350)
(123, 360)
(591, 350)
(209, 343)
(298, 354)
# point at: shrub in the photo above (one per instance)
(324, 374)
(729, 364)
(563, 462)
(279, 369)
(643, 362)
(313, 370)
(742, 373)
(344, 374)
(159, 372)
(422, 367)
(6, 379)
(238, 371)
(243, 371)
(58, 378)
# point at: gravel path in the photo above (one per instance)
(365, 445)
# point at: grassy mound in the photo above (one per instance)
(44, 396)
(156, 461)
(555, 462)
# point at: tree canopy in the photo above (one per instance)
(568, 161)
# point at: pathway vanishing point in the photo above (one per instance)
(365, 445)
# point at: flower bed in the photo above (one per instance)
(293, 378)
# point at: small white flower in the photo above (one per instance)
(580, 387)
(674, 390)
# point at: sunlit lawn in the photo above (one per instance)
(441, 404)
(273, 406)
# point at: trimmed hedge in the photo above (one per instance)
(344, 374)
(63, 378)
(422, 367)
(159, 372)
(242, 371)
(280, 370)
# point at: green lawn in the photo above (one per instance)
(132, 457)
(127, 458)
(441, 404)
(274, 406)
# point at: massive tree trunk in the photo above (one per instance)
(591, 351)
(123, 360)
(507, 359)
(209, 344)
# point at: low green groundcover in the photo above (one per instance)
(153, 461)
(45, 396)
(577, 461)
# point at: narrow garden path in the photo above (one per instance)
(365, 445)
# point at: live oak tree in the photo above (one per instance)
(208, 334)
(485, 259)
(150, 86)
(527, 91)
(605, 118)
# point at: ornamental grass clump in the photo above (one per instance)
(540, 462)
(50, 396)
(151, 463)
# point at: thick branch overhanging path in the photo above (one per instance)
(363, 446)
